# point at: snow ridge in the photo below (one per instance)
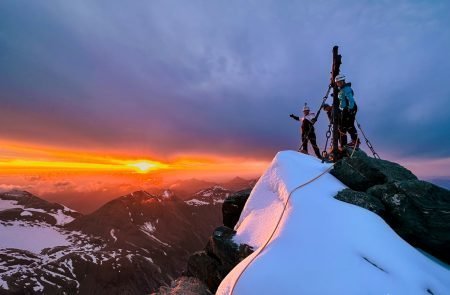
(323, 246)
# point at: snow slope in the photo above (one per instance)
(34, 238)
(323, 246)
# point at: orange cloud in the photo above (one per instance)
(20, 157)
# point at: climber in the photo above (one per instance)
(329, 110)
(308, 133)
(348, 109)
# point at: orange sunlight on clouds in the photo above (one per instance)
(18, 160)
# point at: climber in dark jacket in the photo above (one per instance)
(329, 110)
(348, 110)
(308, 133)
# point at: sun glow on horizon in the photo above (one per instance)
(25, 158)
(146, 166)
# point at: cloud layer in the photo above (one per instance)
(172, 77)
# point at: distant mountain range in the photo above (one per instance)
(87, 202)
(442, 182)
(131, 245)
(186, 188)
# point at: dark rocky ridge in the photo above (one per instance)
(416, 210)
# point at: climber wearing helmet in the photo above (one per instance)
(308, 133)
(348, 109)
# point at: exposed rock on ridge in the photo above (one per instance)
(417, 210)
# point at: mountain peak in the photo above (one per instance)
(139, 194)
(23, 205)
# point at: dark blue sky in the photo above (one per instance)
(221, 77)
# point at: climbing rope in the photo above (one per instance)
(375, 155)
(279, 220)
(355, 146)
(277, 224)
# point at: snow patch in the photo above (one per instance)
(68, 209)
(61, 218)
(9, 204)
(149, 259)
(112, 233)
(3, 284)
(26, 213)
(20, 235)
(166, 194)
(37, 210)
(155, 238)
(130, 257)
(148, 227)
(195, 202)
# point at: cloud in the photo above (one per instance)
(10, 187)
(166, 78)
(62, 184)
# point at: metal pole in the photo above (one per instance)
(334, 72)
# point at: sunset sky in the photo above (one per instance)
(90, 89)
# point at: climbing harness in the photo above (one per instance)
(375, 155)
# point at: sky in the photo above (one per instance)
(213, 83)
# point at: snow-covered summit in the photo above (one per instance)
(322, 245)
(22, 205)
(209, 196)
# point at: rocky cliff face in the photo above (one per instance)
(220, 255)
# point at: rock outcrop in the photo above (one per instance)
(232, 207)
(363, 200)
(185, 286)
(360, 172)
(221, 254)
(219, 257)
(417, 210)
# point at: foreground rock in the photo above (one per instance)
(362, 172)
(232, 207)
(185, 286)
(417, 210)
(220, 256)
(363, 200)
